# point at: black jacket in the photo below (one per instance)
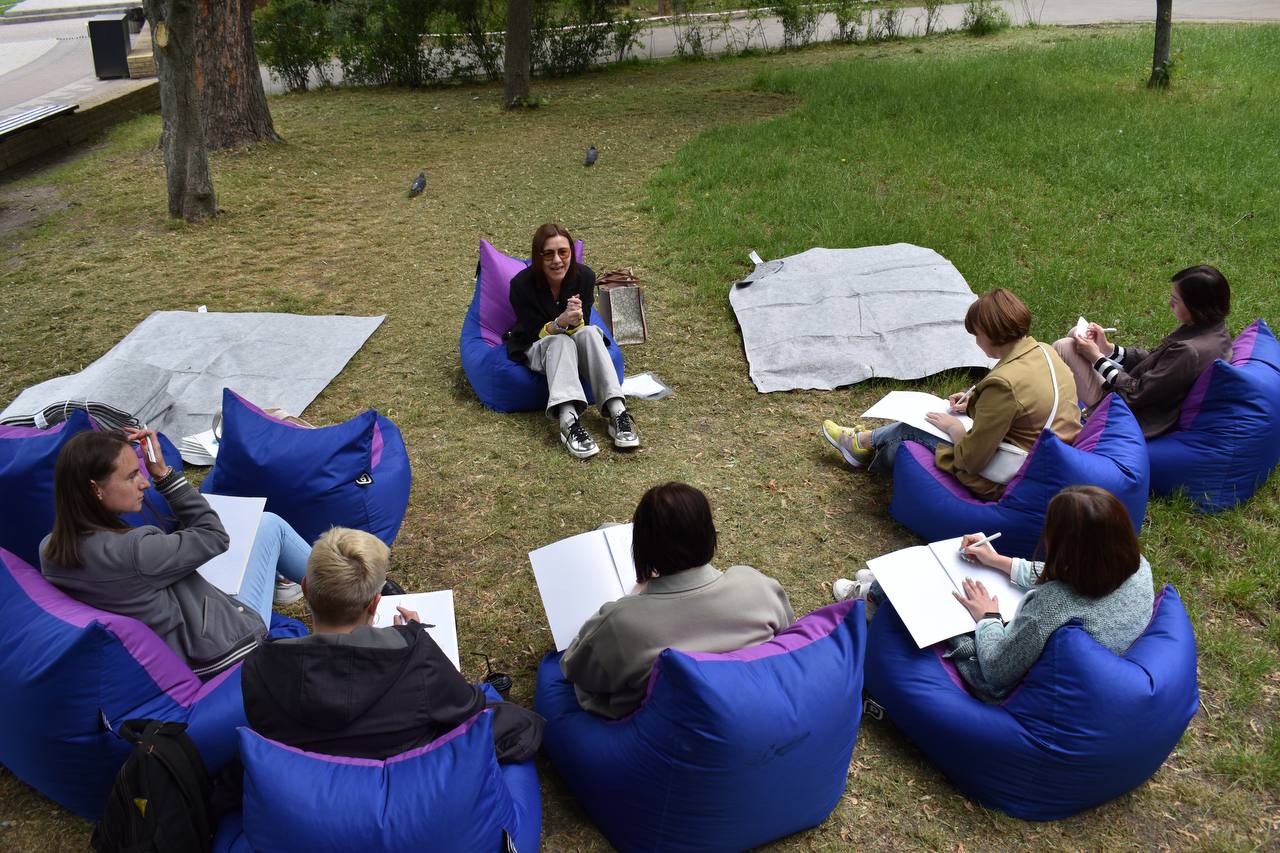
(374, 693)
(535, 307)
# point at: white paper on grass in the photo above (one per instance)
(578, 575)
(199, 449)
(642, 385)
(920, 581)
(910, 407)
(240, 517)
(434, 609)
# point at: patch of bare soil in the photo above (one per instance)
(20, 208)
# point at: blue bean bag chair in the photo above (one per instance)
(27, 459)
(450, 795)
(500, 383)
(1085, 725)
(1227, 441)
(728, 751)
(70, 674)
(1109, 452)
(354, 474)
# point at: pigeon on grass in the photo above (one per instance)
(419, 184)
(592, 154)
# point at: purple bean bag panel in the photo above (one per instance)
(1109, 452)
(728, 751)
(450, 795)
(1227, 441)
(500, 383)
(354, 474)
(27, 458)
(1084, 726)
(69, 674)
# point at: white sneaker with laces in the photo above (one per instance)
(287, 592)
(578, 441)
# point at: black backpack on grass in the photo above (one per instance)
(160, 799)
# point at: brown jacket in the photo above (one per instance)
(1155, 384)
(1011, 404)
(698, 610)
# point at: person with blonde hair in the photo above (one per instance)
(353, 689)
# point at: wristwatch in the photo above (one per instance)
(559, 328)
(992, 614)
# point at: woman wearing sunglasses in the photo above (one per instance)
(553, 334)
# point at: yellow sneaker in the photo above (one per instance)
(845, 439)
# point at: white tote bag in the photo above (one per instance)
(1008, 458)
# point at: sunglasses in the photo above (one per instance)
(549, 254)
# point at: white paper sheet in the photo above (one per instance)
(199, 449)
(919, 582)
(644, 385)
(576, 576)
(921, 594)
(958, 568)
(434, 609)
(910, 407)
(618, 538)
(240, 517)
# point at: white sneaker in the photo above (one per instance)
(287, 592)
(843, 589)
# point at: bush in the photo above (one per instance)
(573, 41)
(799, 22)
(984, 17)
(294, 38)
(886, 26)
(383, 41)
(849, 19)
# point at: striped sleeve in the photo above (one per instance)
(1109, 367)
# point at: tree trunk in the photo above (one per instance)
(186, 160)
(235, 106)
(1160, 62)
(515, 66)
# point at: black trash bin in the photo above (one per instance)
(109, 41)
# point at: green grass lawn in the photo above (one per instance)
(1034, 160)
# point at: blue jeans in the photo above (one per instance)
(277, 549)
(885, 441)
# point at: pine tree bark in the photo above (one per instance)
(227, 73)
(186, 159)
(1159, 62)
(515, 66)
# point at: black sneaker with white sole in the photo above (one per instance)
(577, 441)
(623, 430)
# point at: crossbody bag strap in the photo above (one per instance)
(1053, 374)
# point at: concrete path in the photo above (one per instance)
(34, 72)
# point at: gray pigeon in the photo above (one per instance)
(419, 184)
(592, 154)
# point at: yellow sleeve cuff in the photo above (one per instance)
(576, 328)
(542, 333)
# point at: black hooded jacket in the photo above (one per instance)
(373, 693)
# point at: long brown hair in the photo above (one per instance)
(540, 238)
(1088, 541)
(86, 457)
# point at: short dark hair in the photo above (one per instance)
(87, 456)
(1088, 541)
(672, 532)
(540, 237)
(998, 314)
(1205, 293)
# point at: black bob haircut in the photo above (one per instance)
(673, 531)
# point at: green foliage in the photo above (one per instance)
(383, 41)
(799, 21)
(569, 38)
(849, 19)
(1162, 77)
(984, 17)
(293, 40)
(885, 26)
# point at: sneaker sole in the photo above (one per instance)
(578, 454)
(854, 462)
